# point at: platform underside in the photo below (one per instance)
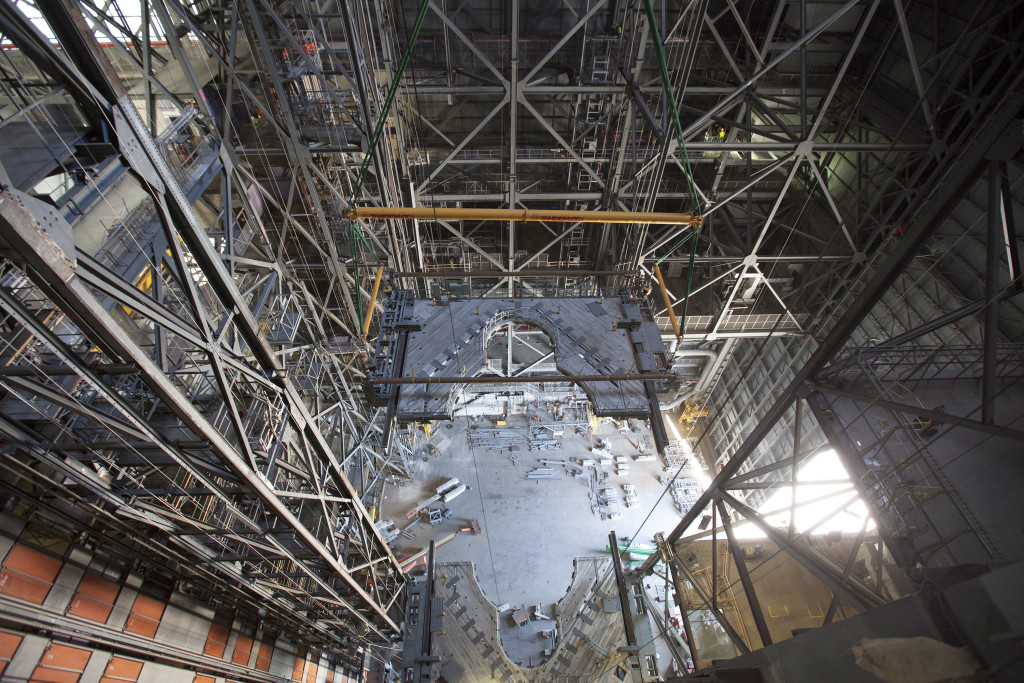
(589, 335)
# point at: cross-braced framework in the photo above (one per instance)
(197, 339)
(169, 373)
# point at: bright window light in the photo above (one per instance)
(667, 419)
(823, 467)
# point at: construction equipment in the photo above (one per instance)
(692, 411)
(543, 473)
(419, 558)
(631, 498)
(442, 490)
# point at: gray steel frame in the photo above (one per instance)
(811, 170)
(251, 486)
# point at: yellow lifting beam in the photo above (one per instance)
(668, 301)
(373, 301)
(522, 215)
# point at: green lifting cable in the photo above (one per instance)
(670, 96)
(689, 234)
(372, 151)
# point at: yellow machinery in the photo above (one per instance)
(692, 412)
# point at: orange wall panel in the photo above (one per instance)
(300, 664)
(311, 674)
(24, 587)
(94, 599)
(9, 643)
(100, 589)
(264, 657)
(145, 616)
(120, 669)
(204, 679)
(243, 650)
(27, 561)
(90, 609)
(216, 641)
(28, 574)
(61, 664)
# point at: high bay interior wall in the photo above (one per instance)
(183, 295)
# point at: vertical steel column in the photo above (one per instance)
(803, 71)
(668, 557)
(620, 581)
(513, 120)
(714, 558)
(797, 423)
(428, 603)
(1010, 233)
(684, 612)
(991, 335)
(748, 585)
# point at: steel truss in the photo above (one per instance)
(922, 518)
(184, 376)
(490, 129)
(209, 339)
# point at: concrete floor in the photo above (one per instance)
(587, 648)
(532, 530)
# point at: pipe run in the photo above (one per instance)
(522, 215)
(686, 392)
(525, 379)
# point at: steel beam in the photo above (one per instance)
(529, 379)
(526, 272)
(993, 246)
(668, 558)
(620, 581)
(520, 215)
(810, 559)
(748, 585)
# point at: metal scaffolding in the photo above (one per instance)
(196, 245)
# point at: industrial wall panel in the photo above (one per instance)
(145, 616)
(61, 664)
(28, 574)
(204, 679)
(9, 642)
(121, 669)
(311, 673)
(243, 650)
(300, 664)
(264, 656)
(216, 641)
(94, 599)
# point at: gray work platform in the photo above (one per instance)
(590, 336)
